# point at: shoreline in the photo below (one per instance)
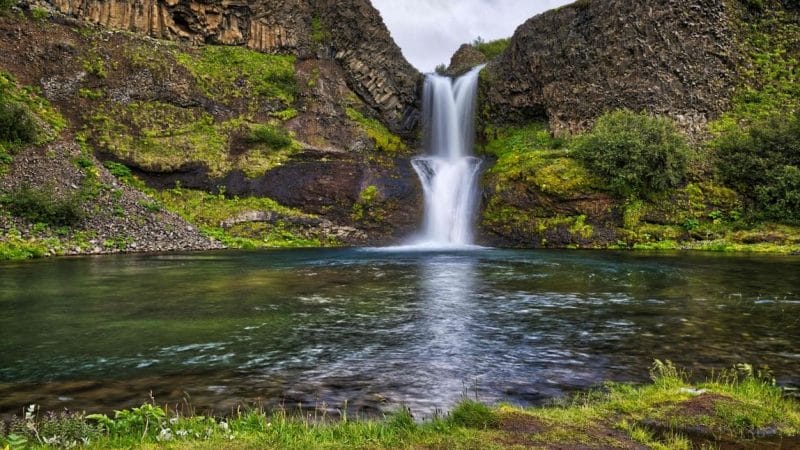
(737, 408)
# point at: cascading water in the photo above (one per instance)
(449, 174)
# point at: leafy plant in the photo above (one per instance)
(273, 137)
(43, 205)
(17, 125)
(146, 421)
(763, 163)
(637, 154)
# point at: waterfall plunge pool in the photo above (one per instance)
(378, 329)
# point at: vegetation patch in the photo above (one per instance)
(26, 117)
(491, 49)
(763, 163)
(367, 207)
(14, 247)
(530, 155)
(43, 205)
(383, 138)
(672, 412)
(209, 211)
(636, 154)
(161, 137)
(232, 72)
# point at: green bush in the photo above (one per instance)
(17, 125)
(43, 205)
(762, 162)
(637, 154)
(491, 49)
(273, 137)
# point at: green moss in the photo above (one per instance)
(531, 156)
(319, 32)
(226, 73)
(91, 94)
(162, 137)
(50, 121)
(208, 212)
(383, 138)
(367, 207)
(286, 114)
(13, 247)
(770, 87)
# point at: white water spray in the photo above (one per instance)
(449, 174)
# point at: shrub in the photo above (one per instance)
(762, 162)
(637, 154)
(17, 125)
(491, 49)
(273, 137)
(43, 205)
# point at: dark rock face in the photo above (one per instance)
(465, 58)
(568, 66)
(351, 32)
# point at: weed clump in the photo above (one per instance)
(17, 125)
(43, 205)
(473, 414)
(273, 137)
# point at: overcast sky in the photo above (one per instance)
(430, 31)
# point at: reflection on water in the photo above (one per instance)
(380, 329)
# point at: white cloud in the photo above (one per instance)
(430, 31)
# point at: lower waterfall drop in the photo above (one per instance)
(449, 174)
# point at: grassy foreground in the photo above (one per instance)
(740, 407)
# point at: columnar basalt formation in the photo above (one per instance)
(351, 32)
(568, 66)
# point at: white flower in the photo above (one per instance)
(164, 435)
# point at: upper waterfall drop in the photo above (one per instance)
(449, 173)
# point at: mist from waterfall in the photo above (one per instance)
(449, 172)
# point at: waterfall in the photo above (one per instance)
(449, 173)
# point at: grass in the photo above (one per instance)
(733, 404)
(383, 138)
(532, 156)
(227, 73)
(208, 211)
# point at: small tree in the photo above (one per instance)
(637, 154)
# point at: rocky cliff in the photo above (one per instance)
(351, 32)
(568, 66)
(263, 124)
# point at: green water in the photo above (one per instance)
(378, 329)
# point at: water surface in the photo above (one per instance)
(379, 329)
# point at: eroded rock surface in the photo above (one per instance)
(351, 32)
(568, 66)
